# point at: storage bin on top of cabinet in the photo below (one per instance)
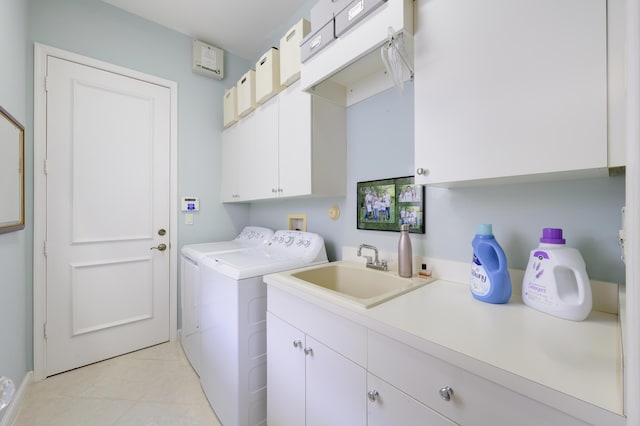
(321, 13)
(247, 93)
(290, 52)
(354, 13)
(230, 107)
(268, 75)
(316, 41)
(324, 11)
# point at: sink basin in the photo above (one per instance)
(355, 283)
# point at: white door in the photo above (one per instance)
(108, 215)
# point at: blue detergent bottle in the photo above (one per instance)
(490, 281)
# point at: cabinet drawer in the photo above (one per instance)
(389, 406)
(474, 400)
(343, 336)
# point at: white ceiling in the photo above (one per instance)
(241, 27)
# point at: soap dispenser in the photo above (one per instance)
(405, 256)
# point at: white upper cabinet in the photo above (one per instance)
(292, 145)
(509, 89)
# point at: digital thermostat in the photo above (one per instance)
(190, 204)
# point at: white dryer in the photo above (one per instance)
(251, 236)
(233, 322)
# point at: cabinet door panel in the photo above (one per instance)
(285, 373)
(230, 159)
(262, 152)
(514, 88)
(335, 389)
(393, 407)
(295, 141)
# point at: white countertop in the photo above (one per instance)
(503, 343)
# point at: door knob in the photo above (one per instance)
(161, 247)
(372, 395)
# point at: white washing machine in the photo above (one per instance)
(251, 236)
(233, 322)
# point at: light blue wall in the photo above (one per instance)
(15, 302)
(96, 29)
(380, 145)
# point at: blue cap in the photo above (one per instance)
(485, 229)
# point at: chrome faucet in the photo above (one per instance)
(376, 263)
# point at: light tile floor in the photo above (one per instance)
(153, 386)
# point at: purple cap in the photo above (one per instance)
(552, 236)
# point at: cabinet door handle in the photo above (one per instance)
(297, 344)
(446, 393)
(372, 395)
(308, 351)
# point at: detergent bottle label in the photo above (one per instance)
(480, 282)
(535, 289)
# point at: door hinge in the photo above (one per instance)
(44, 330)
(45, 249)
(46, 83)
(45, 167)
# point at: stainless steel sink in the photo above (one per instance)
(355, 283)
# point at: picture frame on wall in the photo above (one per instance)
(386, 204)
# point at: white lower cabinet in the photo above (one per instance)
(285, 373)
(335, 388)
(389, 406)
(324, 369)
(309, 383)
(461, 396)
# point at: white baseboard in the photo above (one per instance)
(13, 408)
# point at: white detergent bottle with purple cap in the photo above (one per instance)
(556, 280)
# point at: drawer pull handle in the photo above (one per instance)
(308, 351)
(446, 393)
(297, 344)
(372, 395)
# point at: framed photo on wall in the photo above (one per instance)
(384, 205)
